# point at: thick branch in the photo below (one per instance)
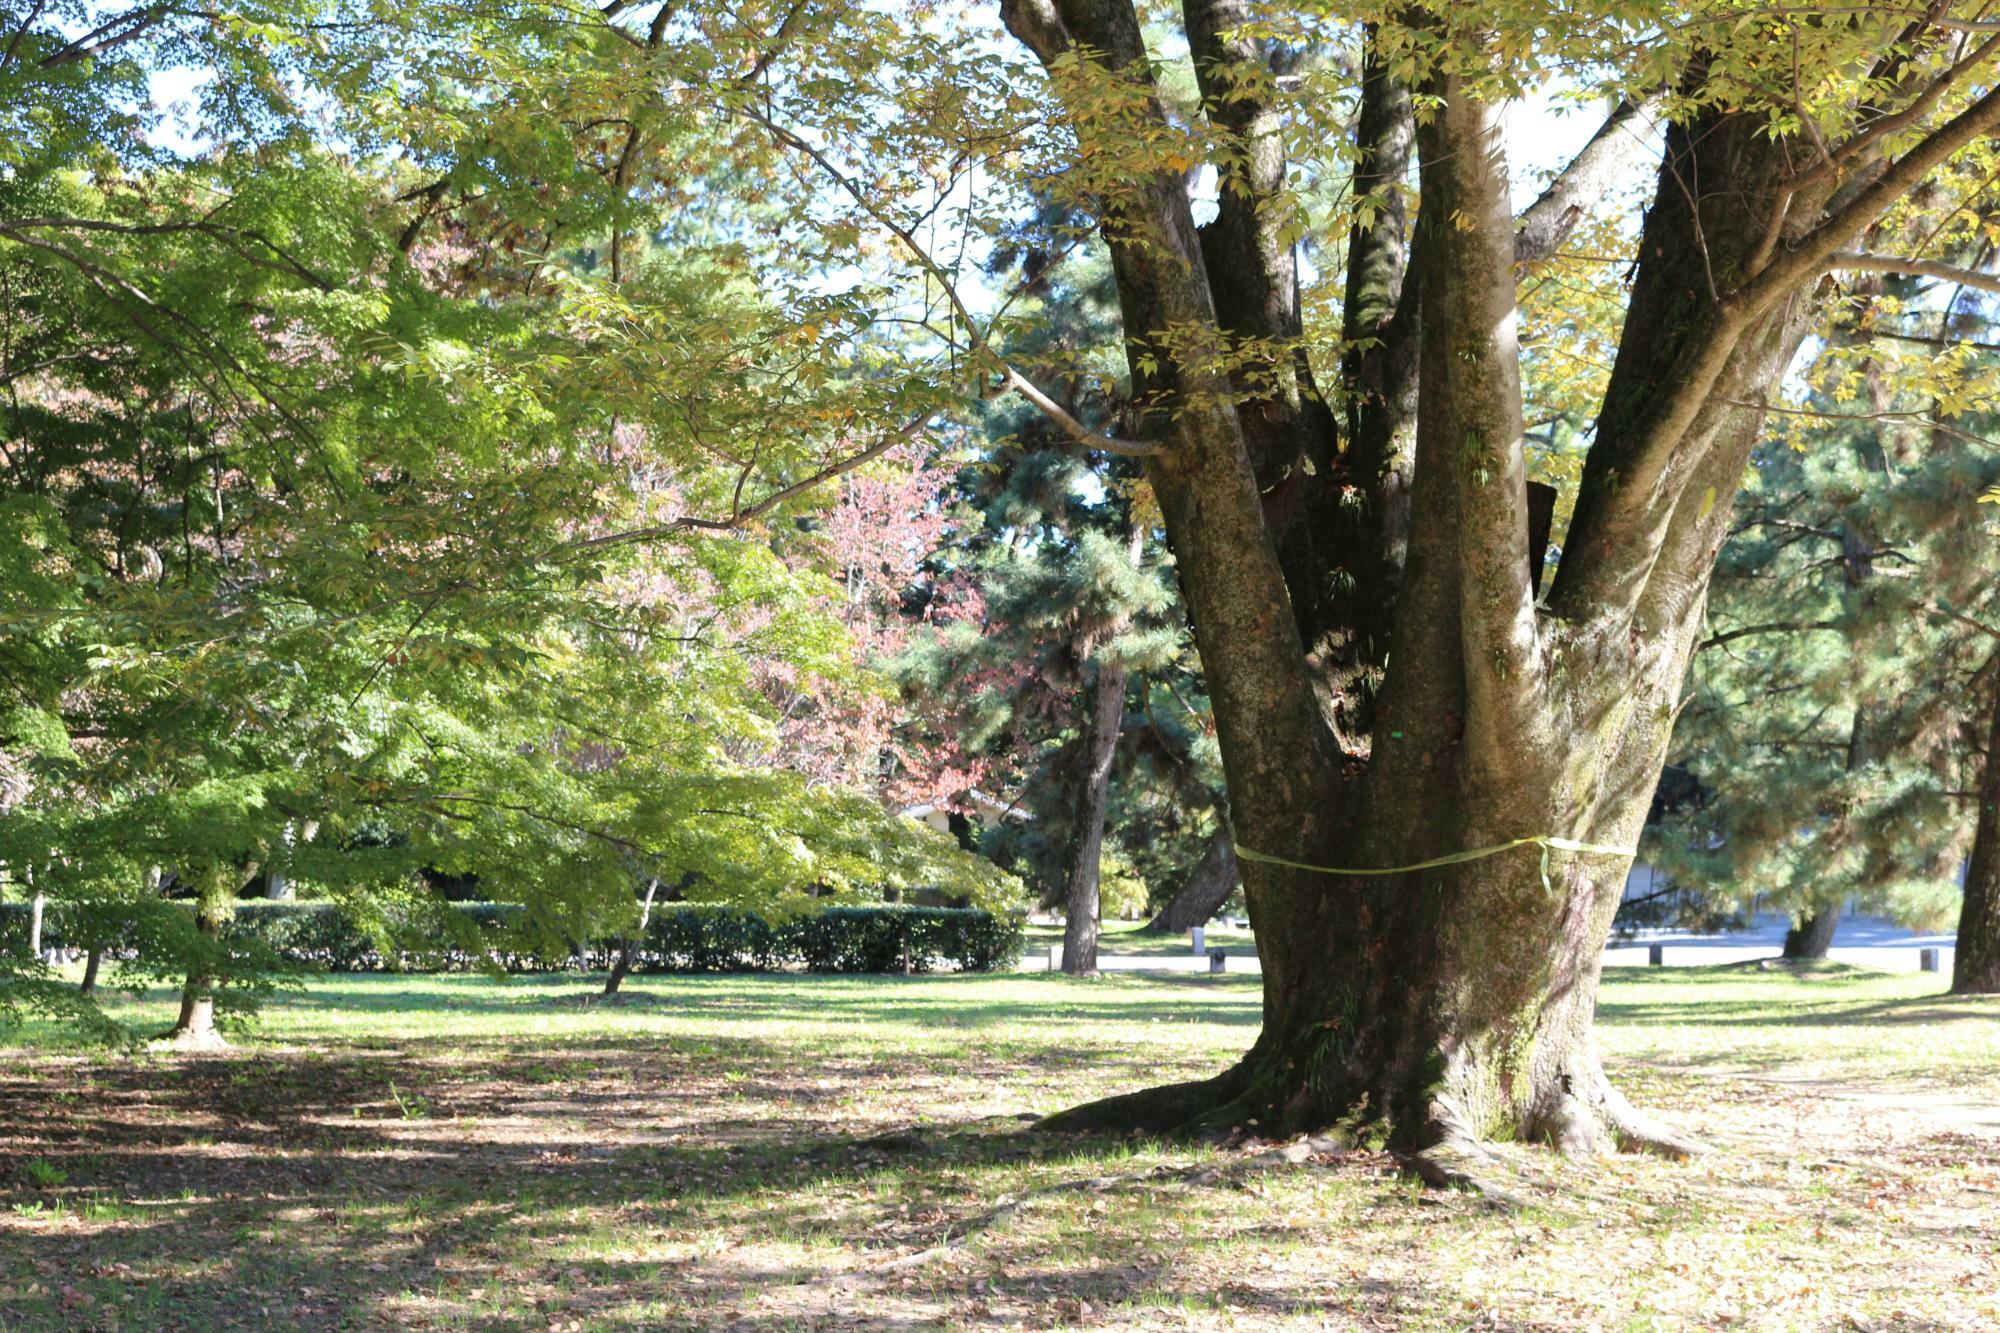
(1618, 143)
(1469, 418)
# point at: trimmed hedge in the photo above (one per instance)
(679, 938)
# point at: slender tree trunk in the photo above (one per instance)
(37, 907)
(628, 947)
(1975, 966)
(1204, 891)
(195, 1027)
(1104, 715)
(90, 966)
(1811, 938)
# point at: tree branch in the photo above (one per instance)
(1863, 262)
(907, 431)
(1778, 627)
(1618, 143)
(1077, 431)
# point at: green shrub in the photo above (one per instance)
(457, 937)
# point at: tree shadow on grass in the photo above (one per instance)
(622, 1182)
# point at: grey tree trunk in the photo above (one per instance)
(37, 907)
(1104, 715)
(1204, 891)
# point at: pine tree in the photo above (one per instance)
(1837, 702)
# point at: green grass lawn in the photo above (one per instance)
(809, 1152)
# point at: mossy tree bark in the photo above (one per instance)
(1453, 1004)
(195, 1028)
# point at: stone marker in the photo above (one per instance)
(1927, 960)
(1656, 955)
(1200, 936)
(1217, 961)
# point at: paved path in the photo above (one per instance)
(1861, 941)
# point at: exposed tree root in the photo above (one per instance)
(1461, 1164)
(1634, 1131)
(189, 1039)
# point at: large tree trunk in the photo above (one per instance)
(1811, 938)
(1975, 968)
(1204, 891)
(1454, 1003)
(1103, 716)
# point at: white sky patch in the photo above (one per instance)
(174, 93)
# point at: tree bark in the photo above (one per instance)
(1810, 938)
(91, 963)
(1207, 887)
(195, 1028)
(1103, 717)
(1975, 968)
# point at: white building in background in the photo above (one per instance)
(975, 803)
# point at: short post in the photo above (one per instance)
(1055, 958)
(1656, 955)
(1200, 940)
(1927, 960)
(1217, 961)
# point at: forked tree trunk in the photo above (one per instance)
(1204, 891)
(1810, 939)
(628, 947)
(1450, 1004)
(195, 1028)
(1975, 968)
(1104, 714)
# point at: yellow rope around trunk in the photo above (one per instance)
(1546, 841)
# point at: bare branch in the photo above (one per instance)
(1081, 433)
(975, 337)
(1780, 627)
(1863, 262)
(907, 431)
